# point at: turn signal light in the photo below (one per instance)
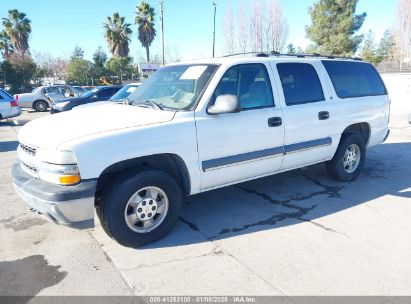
(69, 179)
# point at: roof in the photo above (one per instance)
(263, 57)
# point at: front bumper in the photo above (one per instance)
(15, 111)
(67, 205)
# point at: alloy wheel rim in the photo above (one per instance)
(146, 209)
(41, 106)
(352, 158)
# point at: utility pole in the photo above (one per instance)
(215, 11)
(162, 29)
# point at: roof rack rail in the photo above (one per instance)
(302, 55)
(257, 54)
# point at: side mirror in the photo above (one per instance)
(94, 97)
(225, 104)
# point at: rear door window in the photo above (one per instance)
(300, 83)
(354, 79)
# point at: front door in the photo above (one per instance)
(239, 146)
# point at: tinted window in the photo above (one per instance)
(53, 90)
(250, 83)
(7, 94)
(300, 83)
(105, 93)
(354, 79)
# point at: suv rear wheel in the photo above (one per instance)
(349, 159)
(141, 208)
(40, 105)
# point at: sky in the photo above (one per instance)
(59, 26)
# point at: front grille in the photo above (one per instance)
(28, 162)
(30, 168)
(27, 149)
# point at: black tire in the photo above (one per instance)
(114, 201)
(336, 168)
(40, 105)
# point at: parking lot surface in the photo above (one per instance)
(297, 233)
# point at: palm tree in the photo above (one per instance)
(17, 27)
(6, 47)
(117, 35)
(145, 21)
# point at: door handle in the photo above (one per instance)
(275, 122)
(323, 115)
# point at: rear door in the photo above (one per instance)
(311, 135)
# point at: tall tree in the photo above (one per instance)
(243, 33)
(78, 53)
(402, 31)
(369, 49)
(386, 46)
(334, 25)
(18, 28)
(277, 27)
(256, 26)
(291, 49)
(99, 61)
(377, 52)
(99, 57)
(117, 35)
(6, 47)
(228, 29)
(145, 21)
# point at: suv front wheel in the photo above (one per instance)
(349, 159)
(141, 208)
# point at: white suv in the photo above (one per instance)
(197, 126)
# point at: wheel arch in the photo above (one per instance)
(39, 100)
(169, 163)
(363, 129)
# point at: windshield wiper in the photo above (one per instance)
(143, 102)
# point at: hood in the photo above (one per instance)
(53, 130)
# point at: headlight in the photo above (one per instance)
(56, 157)
(58, 167)
(59, 174)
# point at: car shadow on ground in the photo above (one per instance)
(28, 276)
(8, 146)
(291, 198)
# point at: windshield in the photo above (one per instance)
(175, 87)
(90, 93)
(124, 92)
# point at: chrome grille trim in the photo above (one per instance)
(27, 149)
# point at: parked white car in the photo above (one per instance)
(8, 106)
(197, 126)
(41, 97)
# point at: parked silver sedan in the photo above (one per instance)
(41, 97)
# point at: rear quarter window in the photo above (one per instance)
(354, 79)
